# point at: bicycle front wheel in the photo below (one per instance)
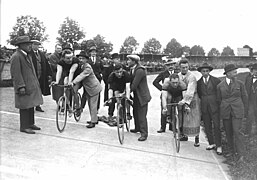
(120, 123)
(61, 114)
(176, 132)
(77, 113)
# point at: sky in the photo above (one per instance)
(208, 23)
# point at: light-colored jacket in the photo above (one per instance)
(88, 80)
(24, 75)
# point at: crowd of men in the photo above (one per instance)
(208, 99)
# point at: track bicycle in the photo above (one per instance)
(67, 107)
(122, 118)
(173, 119)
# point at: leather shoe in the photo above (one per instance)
(161, 131)
(183, 138)
(196, 144)
(211, 147)
(89, 122)
(142, 138)
(34, 127)
(28, 131)
(219, 151)
(91, 125)
(134, 131)
(38, 108)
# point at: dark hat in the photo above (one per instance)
(254, 66)
(169, 62)
(133, 57)
(83, 54)
(37, 42)
(229, 67)
(21, 40)
(67, 46)
(117, 67)
(205, 66)
(92, 48)
(249, 65)
(115, 55)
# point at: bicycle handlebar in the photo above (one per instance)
(172, 104)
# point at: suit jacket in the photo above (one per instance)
(208, 94)
(24, 75)
(232, 100)
(89, 80)
(46, 72)
(160, 78)
(139, 85)
(97, 68)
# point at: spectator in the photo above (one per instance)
(232, 97)
(160, 78)
(191, 123)
(141, 96)
(91, 86)
(42, 69)
(26, 86)
(207, 91)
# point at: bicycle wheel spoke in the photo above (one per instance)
(61, 114)
(120, 124)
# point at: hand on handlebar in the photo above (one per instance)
(164, 111)
(53, 83)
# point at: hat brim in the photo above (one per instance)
(24, 42)
(204, 67)
(168, 63)
(229, 70)
(78, 55)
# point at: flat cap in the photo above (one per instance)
(133, 57)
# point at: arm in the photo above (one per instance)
(16, 73)
(86, 72)
(72, 71)
(59, 73)
(140, 73)
(157, 81)
(244, 99)
(188, 95)
(164, 97)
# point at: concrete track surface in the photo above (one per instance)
(81, 153)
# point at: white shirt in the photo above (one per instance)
(228, 80)
(206, 80)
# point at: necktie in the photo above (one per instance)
(205, 81)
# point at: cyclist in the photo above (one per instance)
(118, 82)
(172, 89)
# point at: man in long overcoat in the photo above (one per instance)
(207, 92)
(26, 86)
(232, 97)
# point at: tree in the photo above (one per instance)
(152, 46)
(197, 50)
(227, 51)
(173, 48)
(30, 26)
(186, 50)
(129, 46)
(214, 52)
(70, 32)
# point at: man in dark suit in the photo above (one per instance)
(207, 92)
(251, 89)
(141, 96)
(42, 68)
(232, 97)
(26, 85)
(170, 65)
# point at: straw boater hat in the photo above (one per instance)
(83, 54)
(169, 62)
(92, 48)
(21, 40)
(133, 57)
(229, 67)
(205, 66)
(36, 42)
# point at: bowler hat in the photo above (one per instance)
(133, 57)
(115, 55)
(254, 66)
(67, 46)
(92, 48)
(205, 66)
(83, 54)
(170, 62)
(21, 40)
(229, 67)
(37, 42)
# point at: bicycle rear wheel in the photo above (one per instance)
(120, 123)
(77, 113)
(127, 120)
(61, 114)
(176, 132)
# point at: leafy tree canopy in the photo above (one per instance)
(71, 32)
(197, 50)
(30, 26)
(152, 46)
(214, 52)
(129, 46)
(227, 51)
(173, 48)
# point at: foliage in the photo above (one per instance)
(173, 48)
(152, 46)
(186, 50)
(103, 48)
(197, 50)
(129, 46)
(30, 26)
(214, 52)
(70, 32)
(227, 51)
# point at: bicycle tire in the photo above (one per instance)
(176, 132)
(127, 122)
(61, 114)
(120, 123)
(77, 116)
